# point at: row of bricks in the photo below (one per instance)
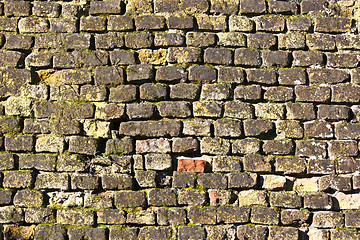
(53, 9)
(208, 232)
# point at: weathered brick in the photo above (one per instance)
(10, 214)
(318, 129)
(256, 232)
(272, 23)
(75, 217)
(291, 40)
(300, 111)
(144, 217)
(308, 6)
(129, 233)
(212, 180)
(121, 57)
(261, 76)
(342, 60)
(161, 197)
(211, 23)
(344, 130)
(317, 201)
(116, 181)
(319, 41)
(153, 92)
(314, 149)
(242, 180)
(39, 162)
(256, 163)
(123, 93)
(342, 148)
(78, 233)
(33, 25)
(17, 41)
(282, 7)
(241, 24)
(258, 128)
(20, 9)
(283, 233)
(263, 215)
(149, 22)
(139, 40)
(184, 54)
(218, 56)
(8, 24)
(345, 92)
(261, 41)
(107, 7)
(214, 146)
(174, 109)
(194, 6)
(247, 57)
(120, 23)
(278, 147)
(199, 215)
(269, 110)
(289, 165)
(47, 180)
(324, 219)
(155, 233)
(276, 58)
(333, 112)
(19, 143)
(130, 199)
(109, 40)
(172, 216)
(166, 6)
(180, 22)
(246, 146)
(332, 24)
(28, 198)
(285, 200)
(276, 94)
(252, 7)
(227, 128)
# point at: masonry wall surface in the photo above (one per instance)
(180, 119)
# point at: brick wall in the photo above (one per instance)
(179, 119)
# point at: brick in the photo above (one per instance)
(233, 215)
(185, 145)
(168, 39)
(231, 39)
(207, 109)
(9, 125)
(20, 9)
(252, 7)
(28, 198)
(300, 111)
(136, 6)
(291, 40)
(211, 23)
(155, 233)
(183, 179)
(344, 130)
(308, 6)
(192, 197)
(46, 9)
(120, 23)
(50, 231)
(273, 182)
(33, 25)
(10, 214)
(261, 41)
(161, 197)
(38, 60)
(123, 93)
(348, 41)
(139, 40)
(39, 162)
(166, 6)
(314, 149)
(11, 58)
(75, 217)
(278, 147)
(47, 180)
(258, 128)
(17, 41)
(212, 180)
(261, 76)
(116, 181)
(157, 161)
(247, 57)
(246, 146)
(256, 163)
(144, 217)
(218, 56)
(241, 24)
(59, 25)
(227, 128)
(93, 93)
(342, 148)
(333, 24)
(39, 215)
(335, 183)
(17, 179)
(285, 200)
(289, 165)
(197, 128)
(224, 6)
(278, 94)
(151, 128)
(130, 199)
(153, 146)
(252, 198)
(276, 58)
(256, 232)
(328, 219)
(317, 201)
(76, 41)
(214, 146)
(272, 23)
(226, 164)
(342, 60)
(319, 41)
(318, 129)
(269, 110)
(121, 57)
(129, 233)
(345, 93)
(333, 112)
(250, 93)
(194, 6)
(19, 143)
(153, 92)
(149, 22)
(84, 181)
(8, 24)
(184, 54)
(78, 233)
(7, 161)
(199, 215)
(242, 180)
(307, 58)
(174, 109)
(263, 215)
(109, 41)
(107, 7)
(83, 145)
(343, 234)
(202, 74)
(171, 74)
(282, 7)
(312, 93)
(180, 22)
(283, 233)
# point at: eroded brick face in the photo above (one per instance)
(179, 119)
